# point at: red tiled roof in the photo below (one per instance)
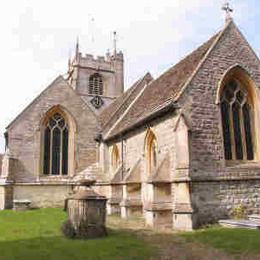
(164, 89)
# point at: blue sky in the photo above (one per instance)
(38, 36)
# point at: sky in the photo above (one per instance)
(37, 38)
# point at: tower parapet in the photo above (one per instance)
(109, 67)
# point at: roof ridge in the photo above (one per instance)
(213, 45)
(167, 88)
(124, 100)
(127, 97)
(57, 79)
(128, 108)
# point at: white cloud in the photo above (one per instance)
(37, 37)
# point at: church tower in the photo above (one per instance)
(98, 80)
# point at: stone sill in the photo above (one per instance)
(225, 178)
(40, 183)
(242, 165)
(159, 206)
(114, 201)
(131, 203)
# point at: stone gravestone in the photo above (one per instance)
(86, 213)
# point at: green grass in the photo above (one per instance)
(234, 241)
(36, 234)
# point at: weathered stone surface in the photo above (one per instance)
(242, 223)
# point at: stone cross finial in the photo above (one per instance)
(226, 7)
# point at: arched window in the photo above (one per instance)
(151, 151)
(56, 137)
(115, 158)
(96, 84)
(236, 111)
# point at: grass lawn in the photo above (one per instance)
(235, 241)
(36, 235)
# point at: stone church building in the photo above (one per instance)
(182, 150)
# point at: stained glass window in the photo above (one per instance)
(236, 123)
(96, 84)
(247, 126)
(55, 161)
(226, 130)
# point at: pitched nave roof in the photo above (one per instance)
(164, 90)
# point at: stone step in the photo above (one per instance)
(254, 217)
(241, 223)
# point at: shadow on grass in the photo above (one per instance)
(117, 245)
(234, 241)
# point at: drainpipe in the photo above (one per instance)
(122, 157)
(6, 140)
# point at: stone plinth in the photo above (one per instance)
(21, 205)
(86, 214)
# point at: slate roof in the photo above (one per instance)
(115, 110)
(164, 90)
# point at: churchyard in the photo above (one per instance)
(36, 234)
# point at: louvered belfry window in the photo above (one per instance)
(96, 84)
(56, 135)
(236, 112)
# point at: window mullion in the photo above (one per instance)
(51, 143)
(61, 149)
(232, 132)
(243, 134)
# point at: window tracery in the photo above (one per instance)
(56, 136)
(236, 112)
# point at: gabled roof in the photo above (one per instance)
(57, 81)
(166, 89)
(111, 114)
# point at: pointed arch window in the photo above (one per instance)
(151, 152)
(56, 137)
(96, 84)
(236, 112)
(115, 158)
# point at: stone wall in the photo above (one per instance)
(199, 101)
(225, 186)
(43, 195)
(6, 197)
(217, 200)
(111, 68)
(25, 135)
(134, 143)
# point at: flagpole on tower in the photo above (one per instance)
(115, 42)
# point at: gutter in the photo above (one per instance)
(168, 106)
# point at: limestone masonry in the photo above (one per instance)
(182, 150)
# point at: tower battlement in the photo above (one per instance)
(108, 62)
(108, 68)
